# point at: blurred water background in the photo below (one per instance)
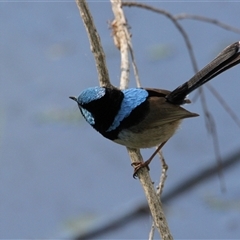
(57, 175)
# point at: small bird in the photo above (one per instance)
(147, 117)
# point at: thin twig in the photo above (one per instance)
(160, 187)
(216, 22)
(163, 174)
(224, 104)
(174, 21)
(121, 38)
(152, 231)
(211, 127)
(117, 31)
(95, 44)
(134, 65)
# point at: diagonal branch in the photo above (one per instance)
(95, 44)
(216, 22)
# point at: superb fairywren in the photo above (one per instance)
(147, 117)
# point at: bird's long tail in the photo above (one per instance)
(228, 58)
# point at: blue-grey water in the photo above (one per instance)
(57, 174)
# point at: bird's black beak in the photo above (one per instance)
(73, 98)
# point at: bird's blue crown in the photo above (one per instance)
(90, 94)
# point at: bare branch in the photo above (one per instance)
(154, 202)
(152, 231)
(175, 22)
(163, 175)
(225, 26)
(135, 69)
(211, 127)
(121, 38)
(224, 104)
(95, 43)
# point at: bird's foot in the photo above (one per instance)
(138, 165)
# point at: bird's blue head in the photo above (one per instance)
(90, 94)
(99, 106)
(84, 100)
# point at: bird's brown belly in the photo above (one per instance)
(136, 137)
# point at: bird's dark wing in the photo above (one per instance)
(163, 112)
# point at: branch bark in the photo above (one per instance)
(153, 199)
(95, 43)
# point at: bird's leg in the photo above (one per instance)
(139, 165)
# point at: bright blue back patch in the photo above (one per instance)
(88, 116)
(133, 97)
(90, 94)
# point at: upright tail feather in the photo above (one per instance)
(228, 58)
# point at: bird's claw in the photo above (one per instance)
(137, 166)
